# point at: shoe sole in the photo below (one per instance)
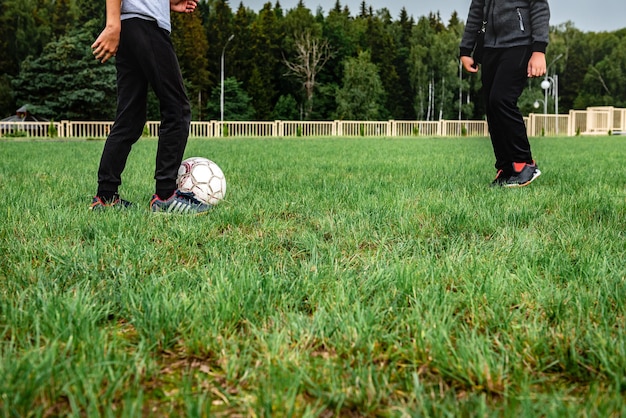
(102, 208)
(535, 175)
(164, 213)
(177, 213)
(497, 183)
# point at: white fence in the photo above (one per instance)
(593, 121)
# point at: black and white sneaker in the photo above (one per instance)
(500, 179)
(99, 204)
(179, 202)
(523, 175)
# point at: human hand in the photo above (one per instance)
(183, 6)
(469, 64)
(106, 44)
(537, 65)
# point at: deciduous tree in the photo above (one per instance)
(312, 53)
(361, 96)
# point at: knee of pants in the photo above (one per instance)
(502, 102)
(176, 114)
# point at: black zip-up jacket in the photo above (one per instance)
(509, 23)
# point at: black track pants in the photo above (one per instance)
(504, 76)
(146, 57)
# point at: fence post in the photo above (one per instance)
(62, 130)
(530, 127)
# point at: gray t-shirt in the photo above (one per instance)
(155, 10)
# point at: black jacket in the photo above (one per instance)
(509, 23)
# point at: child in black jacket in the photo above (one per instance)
(516, 35)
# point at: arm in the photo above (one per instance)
(472, 26)
(468, 64)
(540, 21)
(183, 6)
(108, 41)
(537, 64)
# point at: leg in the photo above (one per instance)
(132, 88)
(175, 122)
(488, 73)
(504, 78)
(161, 68)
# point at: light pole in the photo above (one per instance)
(545, 85)
(554, 83)
(549, 81)
(222, 79)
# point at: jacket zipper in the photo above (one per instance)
(521, 20)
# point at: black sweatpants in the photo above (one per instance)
(146, 57)
(504, 76)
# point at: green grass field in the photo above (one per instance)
(352, 277)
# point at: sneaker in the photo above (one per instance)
(500, 179)
(524, 174)
(97, 203)
(179, 202)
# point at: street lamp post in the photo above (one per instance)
(554, 83)
(545, 85)
(222, 79)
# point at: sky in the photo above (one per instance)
(587, 15)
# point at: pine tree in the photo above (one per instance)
(241, 56)
(219, 28)
(266, 67)
(384, 55)
(62, 17)
(192, 48)
(66, 82)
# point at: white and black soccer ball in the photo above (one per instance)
(202, 177)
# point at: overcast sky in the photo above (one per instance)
(587, 15)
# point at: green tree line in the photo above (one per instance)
(289, 64)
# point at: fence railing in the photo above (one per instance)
(593, 121)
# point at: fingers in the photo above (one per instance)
(191, 6)
(536, 65)
(105, 46)
(469, 65)
(183, 6)
(535, 68)
(101, 53)
(535, 71)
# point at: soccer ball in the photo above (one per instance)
(202, 177)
